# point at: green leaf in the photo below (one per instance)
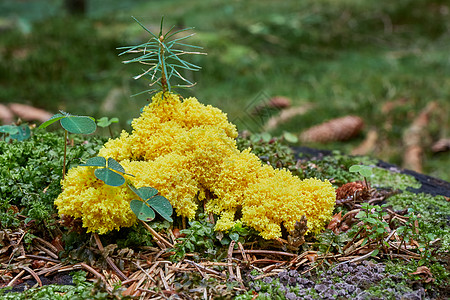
(105, 122)
(114, 165)
(381, 230)
(109, 177)
(361, 214)
(97, 161)
(9, 129)
(162, 206)
(144, 192)
(374, 252)
(266, 137)
(147, 192)
(371, 220)
(52, 120)
(366, 172)
(22, 134)
(291, 138)
(142, 211)
(78, 124)
(354, 168)
(234, 236)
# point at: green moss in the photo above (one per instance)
(31, 171)
(81, 289)
(386, 178)
(402, 271)
(434, 214)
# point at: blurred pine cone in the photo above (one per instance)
(339, 129)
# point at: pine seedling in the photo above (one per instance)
(162, 55)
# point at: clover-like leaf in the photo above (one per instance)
(162, 206)
(365, 171)
(9, 129)
(289, 137)
(23, 133)
(105, 122)
(149, 198)
(234, 236)
(78, 124)
(147, 192)
(142, 211)
(109, 177)
(114, 165)
(97, 161)
(52, 120)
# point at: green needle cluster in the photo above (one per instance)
(163, 59)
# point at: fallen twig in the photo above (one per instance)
(109, 259)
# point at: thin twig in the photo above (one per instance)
(11, 283)
(217, 273)
(230, 259)
(156, 235)
(42, 258)
(109, 259)
(35, 276)
(267, 252)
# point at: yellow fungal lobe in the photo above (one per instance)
(184, 149)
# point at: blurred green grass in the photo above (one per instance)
(344, 56)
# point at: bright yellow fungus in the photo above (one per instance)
(187, 150)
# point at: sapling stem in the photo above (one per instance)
(65, 151)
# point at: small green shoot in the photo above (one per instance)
(290, 137)
(162, 58)
(363, 170)
(411, 233)
(374, 228)
(105, 122)
(150, 201)
(111, 173)
(72, 124)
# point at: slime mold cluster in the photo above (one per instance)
(187, 151)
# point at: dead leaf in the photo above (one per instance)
(425, 273)
(335, 222)
(311, 257)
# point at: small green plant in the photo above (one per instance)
(412, 231)
(106, 122)
(72, 124)
(374, 228)
(112, 173)
(328, 241)
(150, 201)
(14, 132)
(237, 233)
(290, 137)
(198, 237)
(363, 170)
(109, 171)
(163, 59)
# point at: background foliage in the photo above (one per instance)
(345, 57)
